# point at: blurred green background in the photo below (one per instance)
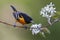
(32, 8)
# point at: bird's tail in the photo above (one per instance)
(14, 9)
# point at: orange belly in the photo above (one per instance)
(22, 21)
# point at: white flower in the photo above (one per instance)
(48, 11)
(36, 28)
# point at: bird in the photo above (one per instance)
(21, 17)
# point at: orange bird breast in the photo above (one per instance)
(21, 20)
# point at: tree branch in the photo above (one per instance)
(12, 25)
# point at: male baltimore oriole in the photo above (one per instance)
(21, 17)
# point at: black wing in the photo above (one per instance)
(27, 18)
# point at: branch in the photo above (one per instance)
(12, 25)
(56, 20)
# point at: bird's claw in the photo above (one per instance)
(25, 27)
(14, 25)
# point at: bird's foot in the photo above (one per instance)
(25, 27)
(14, 25)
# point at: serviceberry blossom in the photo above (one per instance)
(48, 11)
(36, 28)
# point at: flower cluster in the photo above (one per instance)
(48, 11)
(37, 28)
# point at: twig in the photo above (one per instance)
(56, 20)
(12, 25)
